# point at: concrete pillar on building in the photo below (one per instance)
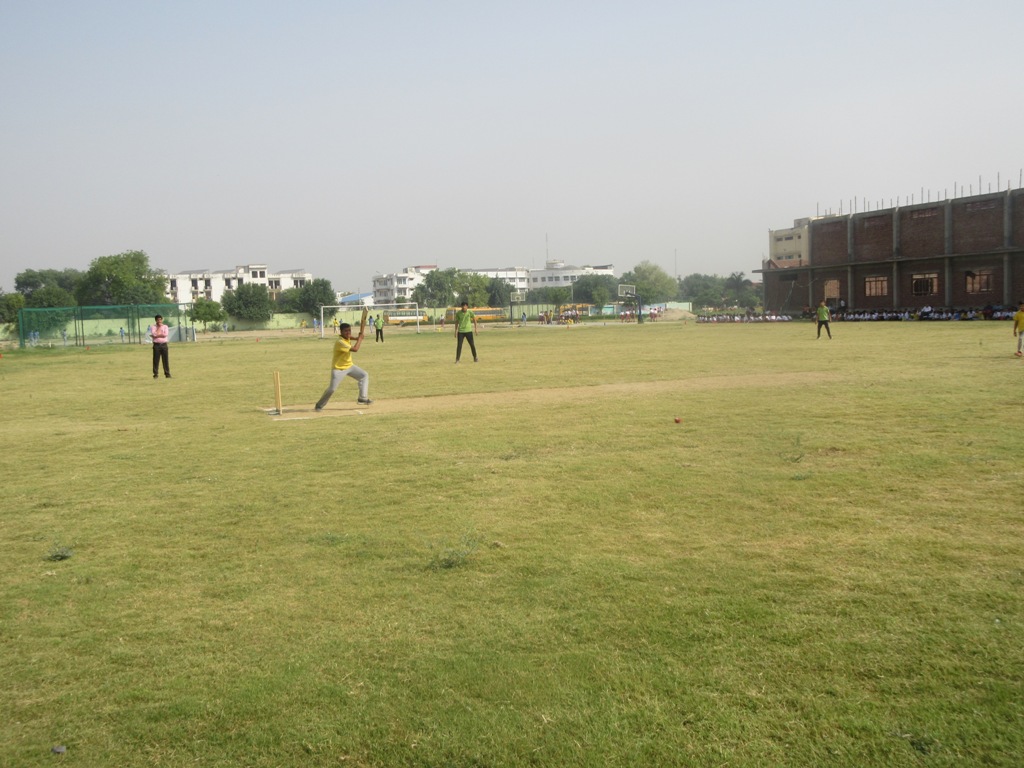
(897, 251)
(810, 265)
(948, 222)
(849, 238)
(1007, 220)
(1007, 280)
(948, 280)
(895, 285)
(896, 233)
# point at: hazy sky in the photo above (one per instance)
(351, 137)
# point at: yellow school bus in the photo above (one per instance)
(483, 314)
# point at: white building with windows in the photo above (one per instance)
(517, 277)
(398, 287)
(185, 287)
(556, 274)
(789, 247)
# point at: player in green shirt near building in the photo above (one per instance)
(823, 319)
(465, 325)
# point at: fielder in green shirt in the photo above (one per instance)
(465, 325)
(824, 316)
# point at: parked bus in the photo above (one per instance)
(404, 316)
(483, 314)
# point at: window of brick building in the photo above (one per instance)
(876, 286)
(979, 282)
(925, 284)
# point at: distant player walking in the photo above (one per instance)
(1018, 329)
(342, 366)
(824, 316)
(465, 325)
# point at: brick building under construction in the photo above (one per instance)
(967, 252)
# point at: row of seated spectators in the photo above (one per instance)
(925, 313)
(750, 317)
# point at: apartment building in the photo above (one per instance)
(185, 287)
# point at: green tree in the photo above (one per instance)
(437, 288)
(51, 295)
(249, 302)
(205, 311)
(499, 293)
(125, 278)
(10, 303)
(288, 300)
(472, 287)
(316, 294)
(544, 295)
(702, 290)
(54, 298)
(594, 289)
(31, 280)
(559, 296)
(653, 284)
(740, 288)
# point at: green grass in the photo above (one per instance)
(520, 562)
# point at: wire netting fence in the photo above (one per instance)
(84, 326)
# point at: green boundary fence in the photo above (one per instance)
(82, 326)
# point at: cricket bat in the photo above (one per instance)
(362, 322)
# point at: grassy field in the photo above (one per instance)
(525, 561)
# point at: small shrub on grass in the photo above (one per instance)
(59, 552)
(453, 556)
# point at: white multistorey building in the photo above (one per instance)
(184, 287)
(789, 247)
(398, 287)
(393, 289)
(557, 274)
(517, 277)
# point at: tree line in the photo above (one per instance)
(449, 287)
(128, 278)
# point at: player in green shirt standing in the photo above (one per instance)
(465, 325)
(823, 318)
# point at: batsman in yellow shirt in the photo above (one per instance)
(342, 366)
